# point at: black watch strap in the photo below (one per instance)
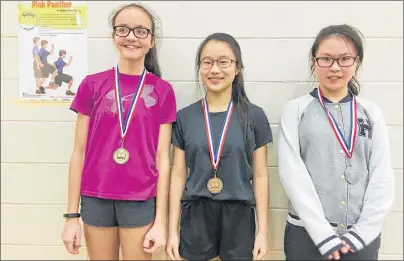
(71, 215)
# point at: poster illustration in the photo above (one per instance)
(52, 43)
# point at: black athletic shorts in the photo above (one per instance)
(101, 212)
(299, 246)
(212, 228)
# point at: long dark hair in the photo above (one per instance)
(239, 95)
(151, 60)
(352, 34)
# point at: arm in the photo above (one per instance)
(163, 166)
(261, 188)
(76, 163)
(37, 61)
(262, 136)
(82, 105)
(380, 191)
(69, 62)
(298, 185)
(177, 184)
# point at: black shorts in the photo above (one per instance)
(212, 228)
(61, 77)
(47, 69)
(101, 212)
(299, 246)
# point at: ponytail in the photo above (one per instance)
(151, 62)
(240, 100)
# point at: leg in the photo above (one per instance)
(132, 243)
(66, 78)
(238, 231)
(370, 252)
(37, 75)
(54, 73)
(200, 229)
(102, 242)
(298, 244)
(69, 85)
(135, 218)
(100, 228)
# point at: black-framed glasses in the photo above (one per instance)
(139, 32)
(207, 63)
(345, 61)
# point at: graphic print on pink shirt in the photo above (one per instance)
(135, 180)
(108, 107)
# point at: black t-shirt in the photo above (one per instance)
(235, 168)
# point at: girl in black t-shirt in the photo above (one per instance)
(222, 140)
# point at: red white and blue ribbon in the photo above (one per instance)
(215, 154)
(347, 146)
(124, 125)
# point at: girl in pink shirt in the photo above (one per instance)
(119, 168)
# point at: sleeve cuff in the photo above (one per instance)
(355, 241)
(329, 245)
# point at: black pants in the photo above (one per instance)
(299, 246)
(212, 228)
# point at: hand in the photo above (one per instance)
(71, 235)
(260, 246)
(346, 248)
(41, 64)
(334, 255)
(172, 248)
(155, 239)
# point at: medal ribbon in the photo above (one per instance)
(215, 155)
(348, 148)
(118, 102)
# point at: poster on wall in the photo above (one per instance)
(52, 43)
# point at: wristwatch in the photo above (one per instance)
(71, 215)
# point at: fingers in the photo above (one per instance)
(260, 254)
(345, 248)
(255, 253)
(152, 249)
(77, 244)
(177, 253)
(69, 246)
(150, 246)
(334, 255)
(170, 253)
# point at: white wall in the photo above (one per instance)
(275, 38)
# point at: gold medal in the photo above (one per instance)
(121, 156)
(215, 185)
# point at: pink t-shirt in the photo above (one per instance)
(156, 105)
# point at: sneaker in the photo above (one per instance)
(42, 89)
(70, 93)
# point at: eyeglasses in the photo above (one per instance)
(222, 63)
(345, 61)
(139, 32)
